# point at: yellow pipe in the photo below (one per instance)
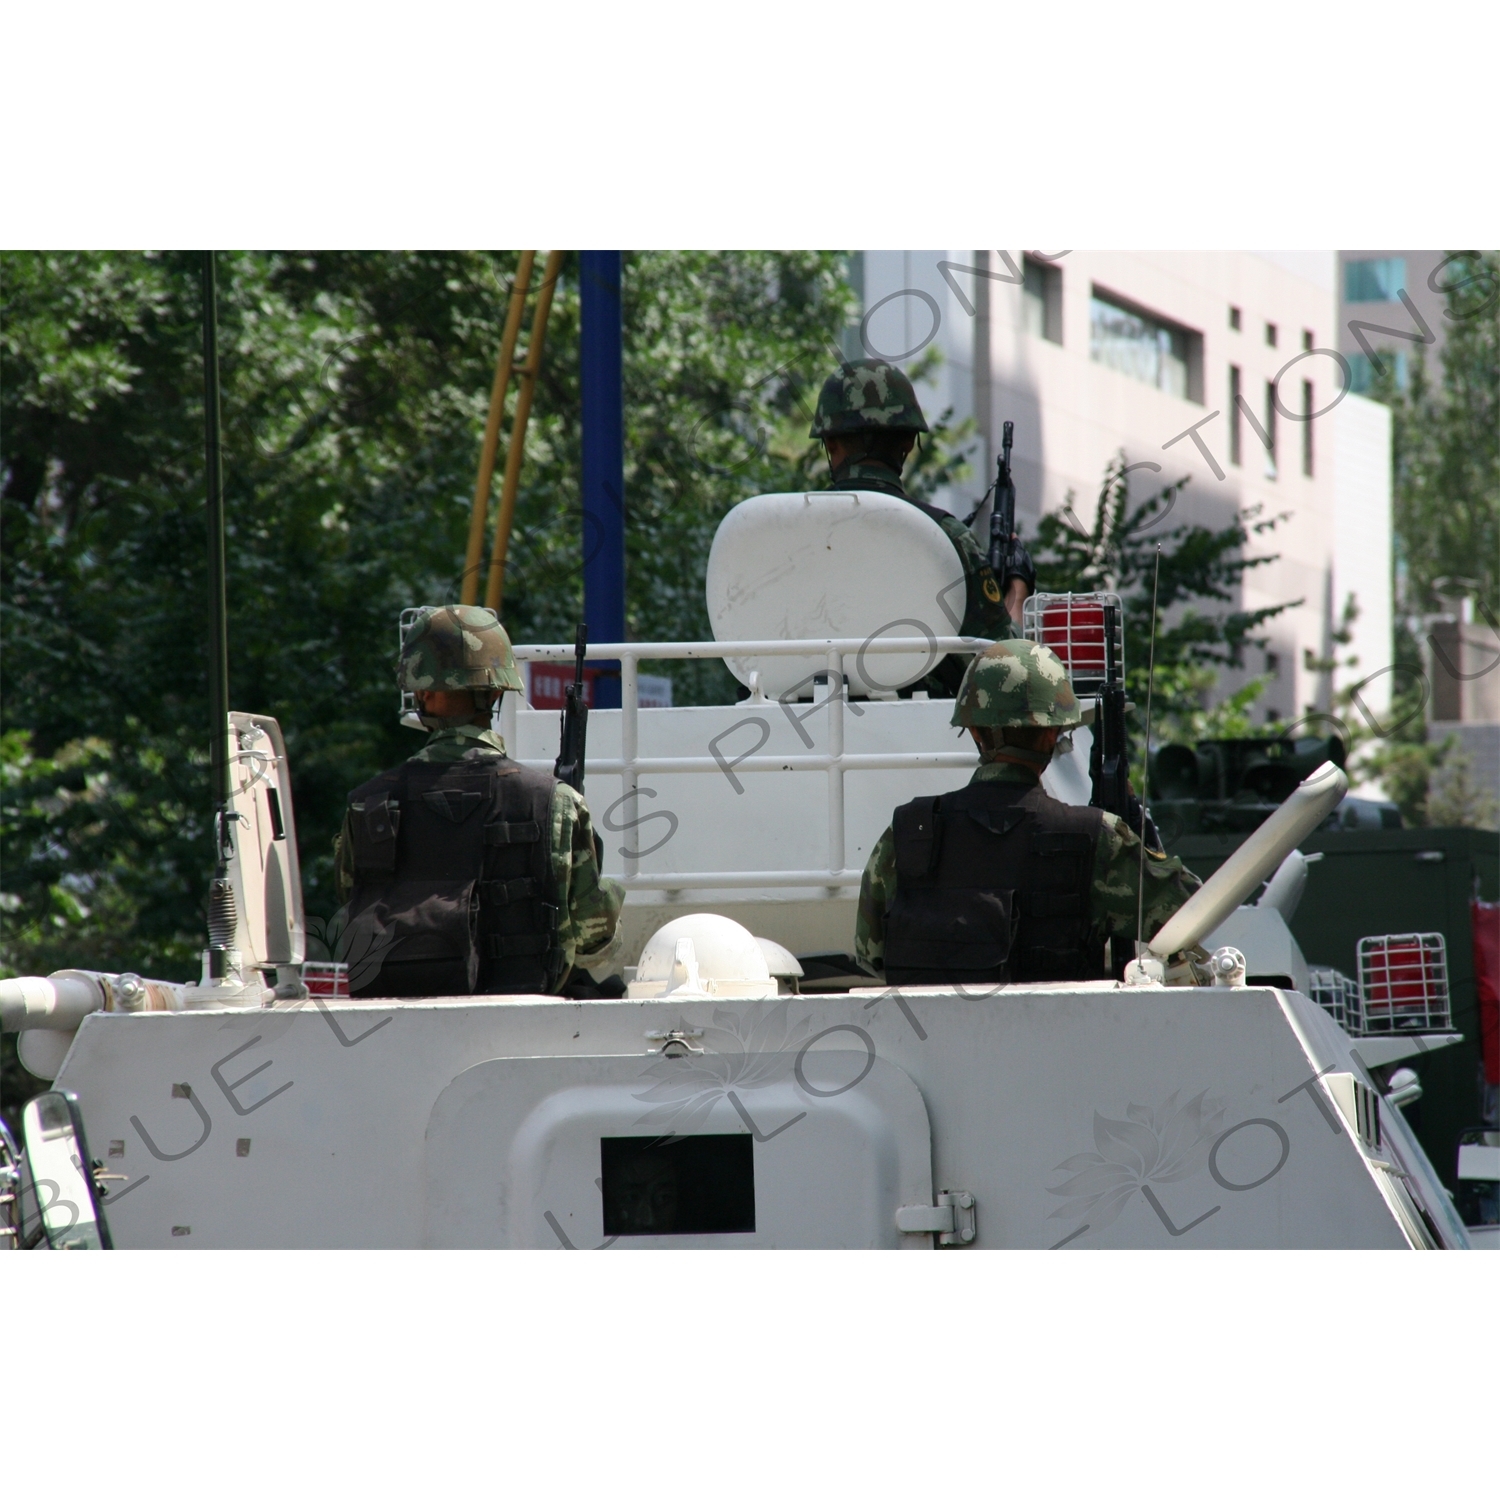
(481, 512)
(513, 457)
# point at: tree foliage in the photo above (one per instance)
(1446, 447)
(1116, 553)
(355, 388)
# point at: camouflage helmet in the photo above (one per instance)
(864, 395)
(1015, 684)
(457, 646)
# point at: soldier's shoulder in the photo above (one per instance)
(569, 808)
(881, 865)
(950, 523)
(1114, 834)
(377, 786)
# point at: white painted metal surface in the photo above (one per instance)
(512, 1153)
(1262, 935)
(1082, 1115)
(855, 564)
(264, 867)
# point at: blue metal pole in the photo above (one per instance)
(602, 380)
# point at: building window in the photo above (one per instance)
(1374, 280)
(1273, 664)
(1271, 334)
(1142, 345)
(1307, 428)
(1234, 414)
(1362, 371)
(1270, 430)
(1041, 299)
(1234, 318)
(1307, 339)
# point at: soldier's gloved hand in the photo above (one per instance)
(1021, 567)
(1142, 825)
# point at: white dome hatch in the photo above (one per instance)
(699, 955)
(841, 565)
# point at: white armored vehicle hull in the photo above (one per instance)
(1092, 1115)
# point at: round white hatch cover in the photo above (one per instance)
(842, 565)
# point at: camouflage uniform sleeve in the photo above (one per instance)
(588, 903)
(1117, 867)
(876, 888)
(343, 861)
(985, 613)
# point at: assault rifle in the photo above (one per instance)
(1002, 557)
(575, 721)
(1109, 759)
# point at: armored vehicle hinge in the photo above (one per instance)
(952, 1220)
(675, 1043)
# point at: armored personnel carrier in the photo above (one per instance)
(750, 1088)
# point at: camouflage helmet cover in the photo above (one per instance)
(1015, 684)
(457, 646)
(864, 395)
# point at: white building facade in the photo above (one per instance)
(1216, 365)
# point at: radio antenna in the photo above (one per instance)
(1140, 883)
(222, 917)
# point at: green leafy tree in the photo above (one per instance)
(1446, 447)
(355, 388)
(1116, 552)
(1446, 503)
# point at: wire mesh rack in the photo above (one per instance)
(1339, 995)
(1403, 980)
(1085, 632)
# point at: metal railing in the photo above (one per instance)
(630, 764)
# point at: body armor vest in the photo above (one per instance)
(993, 886)
(453, 885)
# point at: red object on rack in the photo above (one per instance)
(1074, 633)
(1486, 922)
(326, 981)
(1398, 974)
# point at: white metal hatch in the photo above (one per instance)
(519, 1152)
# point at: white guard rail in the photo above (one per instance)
(630, 764)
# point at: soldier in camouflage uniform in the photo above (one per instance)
(868, 417)
(999, 882)
(544, 906)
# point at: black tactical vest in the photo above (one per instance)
(453, 886)
(993, 886)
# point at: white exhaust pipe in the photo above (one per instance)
(1261, 853)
